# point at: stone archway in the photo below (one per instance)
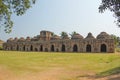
(36, 49)
(31, 48)
(63, 48)
(41, 47)
(75, 48)
(52, 48)
(88, 48)
(24, 48)
(17, 48)
(103, 48)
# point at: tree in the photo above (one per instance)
(113, 6)
(116, 39)
(73, 33)
(9, 7)
(64, 35)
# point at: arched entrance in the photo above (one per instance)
(41, 48)
(63, 48)
(46, 49)
(36, 49)
(88, 48)
(52, 48)
(24, 48)
(103, 48)
(75, 48)
(31, 48)
(17, 48)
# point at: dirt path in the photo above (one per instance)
(53, 74)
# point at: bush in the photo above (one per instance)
(117, 49)
(1, 48)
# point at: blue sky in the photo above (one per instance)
(81, 16)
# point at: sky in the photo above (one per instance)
(81, 16)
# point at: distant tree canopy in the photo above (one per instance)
(113, 6)
(73, 33)
(9, 7)
(64, 34)
(116, 39)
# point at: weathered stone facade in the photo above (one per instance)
(47, 42)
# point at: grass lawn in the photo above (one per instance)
(78, 64)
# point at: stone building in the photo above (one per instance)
(48, 42)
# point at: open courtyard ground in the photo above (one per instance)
(59, 66)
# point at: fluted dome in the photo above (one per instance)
(10, 39)
(103, 35)
(55, 37)
(90, 36)
(77, 36)
(21, 39)
(15, 39)
(28, 38)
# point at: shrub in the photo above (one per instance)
(117, 49)
(1, 48)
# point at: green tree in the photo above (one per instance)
(73, 33)
(63, 34)
(9, 7)
(116, 39)
(113, 6)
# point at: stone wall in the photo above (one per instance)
(88, 44)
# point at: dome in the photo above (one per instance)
(103, 35)
(10, 39)
(77, 36)
(55, 37)
(15, 39)
(90, 36)
(21, 39)
(28, 38)
(65, 37)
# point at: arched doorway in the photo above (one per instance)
(88, 48)
(17, 48)
(31, 48)
(24, 48)
(63, 48)
(46, 49)
(36, 49)
(41, 48)
(75, 48)
(103, 48)
(52, 48)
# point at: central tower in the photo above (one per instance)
(45, 35)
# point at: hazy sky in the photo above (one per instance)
(81, 16)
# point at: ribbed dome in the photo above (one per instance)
(55, 37)
(10, 39)
(65, 37)
(103, 35)
(77, 36)
(21, 39)
(15, 39)
(28, 38)
(90, 36)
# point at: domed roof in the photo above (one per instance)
(77, 36)
(103, 35)
(21, 39)
(65, 37)
(55, 37)
(10, 39)
(90, 36)
(15, 39)
(28, 38)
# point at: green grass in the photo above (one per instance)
(102, 64)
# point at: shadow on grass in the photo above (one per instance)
(109, 72)
(112, 74)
